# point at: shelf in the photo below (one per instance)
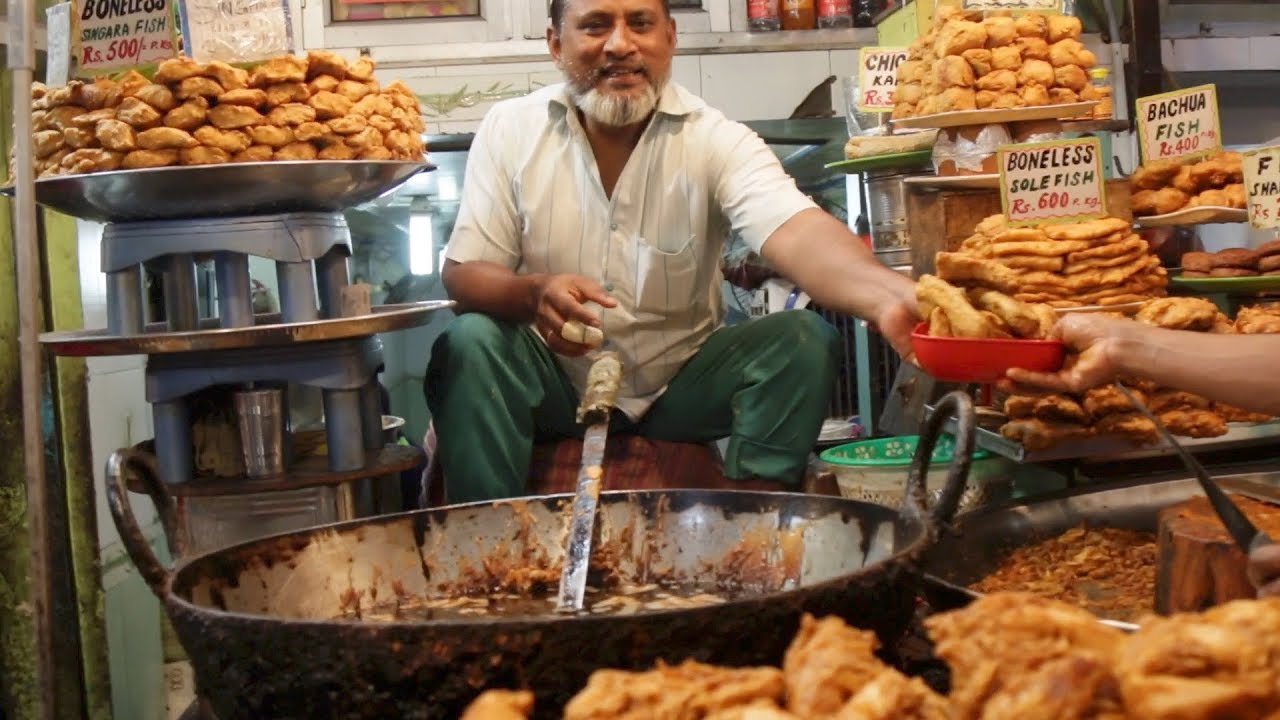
(1114, 448)
(309, 471)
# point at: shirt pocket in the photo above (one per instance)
(666, 281)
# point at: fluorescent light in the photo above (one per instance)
(421, 245)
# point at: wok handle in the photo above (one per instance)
(960, 405)
(135, 543)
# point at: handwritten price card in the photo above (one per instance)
(878, 77)
(1180, 124)
(112, 35)
(1033, 5)
(1262, 185)
(1055, 181)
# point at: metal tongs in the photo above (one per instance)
(1242, 530)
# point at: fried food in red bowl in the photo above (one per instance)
(983, 360)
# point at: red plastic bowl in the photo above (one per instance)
(983, 360)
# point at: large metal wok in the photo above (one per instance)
(258, 620)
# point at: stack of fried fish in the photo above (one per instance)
(1094, 262)
(314, 107)
(1042, 420)
(1164, 186)
(1011, 655)
(980, 312)
(970, 62)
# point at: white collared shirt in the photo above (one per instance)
(532, 201)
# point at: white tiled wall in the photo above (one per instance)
(778, 82)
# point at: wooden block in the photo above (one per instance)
(1200, 565)
(356, 300)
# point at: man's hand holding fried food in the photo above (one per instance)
(980, 313)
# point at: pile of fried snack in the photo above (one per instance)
(1164, 186)
(970, 62)
(1011, 655)
(1042, 420)
(317, 107)
(980, 312)
(1233, 262)
(1095, 262)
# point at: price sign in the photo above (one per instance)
(1035, 5)
(236, 31)
(1262, 185)
(1055, 181)
(1179, 124)
(878, 77)
(112, 35)
(58, 31)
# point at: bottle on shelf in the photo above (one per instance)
(865, 12)
(1100, 78)
(763, 16)
(834, 14)
(799, 15)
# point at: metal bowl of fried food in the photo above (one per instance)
(983, 360)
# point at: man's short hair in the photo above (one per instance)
(556, 11)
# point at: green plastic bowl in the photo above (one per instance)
(891, 451)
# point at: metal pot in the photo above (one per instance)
(261, 620)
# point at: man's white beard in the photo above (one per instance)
(617, 110)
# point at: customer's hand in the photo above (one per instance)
(1093, 336)
(562, 298)
(1264, 570)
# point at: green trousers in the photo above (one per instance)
(494, 389)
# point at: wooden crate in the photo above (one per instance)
(940, 220)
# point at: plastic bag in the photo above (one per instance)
(236, 31)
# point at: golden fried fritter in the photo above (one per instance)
(1179, 313)
(309, 131)
(325, 62)
(138, 113)
(139, 159)
(375, 152)
(175, 70)
(361, 69)
(348, 124)
(329, 105)
(827, 663)
(500, 705)
(1154, 175)
(338, 151)
(229, 141)
(1108, 400)
(285, 93)
(1036, 434)
(281, 69)
(230, 117)
(250, 97)
(229, 77)
(157, 96)
(291, 114)
(296, 151)
(164, 138)
(203, 155)
(116, 135)
(88, 160)
(276, 137)
(323, 83)
(256, 153)
(189, 115)
(194, 87)
(47, 142)
(352, 90)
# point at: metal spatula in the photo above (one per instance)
(597, 401)
(1242, 530)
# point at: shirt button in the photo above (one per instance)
(608, 287)
(613, 226)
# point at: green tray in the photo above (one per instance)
(891, 451)
(1258, 283)
(878, 162)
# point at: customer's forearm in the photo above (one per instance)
(1238, 370)
(492, 289)
(827, 261)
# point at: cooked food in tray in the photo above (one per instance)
(980, 312)
(1233, 262)
(1161, 187)
(1042, 420)
(1011, 655)
(968, 61)
(1095, 262)
(1108, 571)
(313, 107)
